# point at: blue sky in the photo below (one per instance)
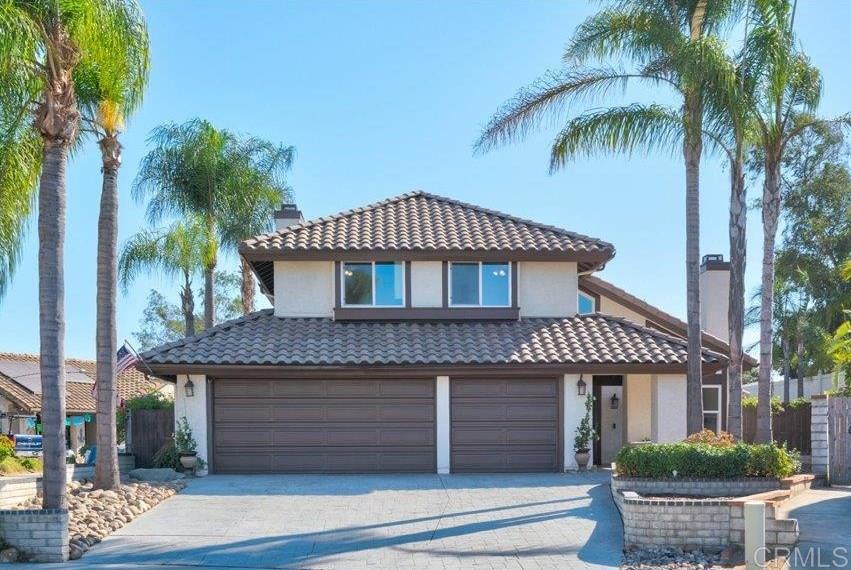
(384, 97)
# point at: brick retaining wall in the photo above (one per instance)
(696, 486)
(40, 535)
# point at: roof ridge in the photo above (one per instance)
(422, 193)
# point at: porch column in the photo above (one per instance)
(572, 413)
(442, 420)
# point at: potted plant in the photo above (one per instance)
(184, 442)
(585, 434)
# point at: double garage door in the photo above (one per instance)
(382, 425)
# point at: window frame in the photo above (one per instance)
(480, 304)
(716, 412)
(373, 305)
(591, 298)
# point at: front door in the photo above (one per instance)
(608, 418)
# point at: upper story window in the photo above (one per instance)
(586, 304)
(479, 284)
(373, 284)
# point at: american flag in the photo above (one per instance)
(124, 359)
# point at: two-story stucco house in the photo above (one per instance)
(422, 334)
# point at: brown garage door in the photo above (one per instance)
(321, 426)
(508, 424)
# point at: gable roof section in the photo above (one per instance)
(78, 395)
(419, 224)
(657, 316)
(262, 339)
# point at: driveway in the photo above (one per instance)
(824, 519)
(560, 521)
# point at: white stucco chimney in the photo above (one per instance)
(288, 215)
(714, 295)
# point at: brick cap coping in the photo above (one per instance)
(33, 512)
(673, 501)
(771, 497)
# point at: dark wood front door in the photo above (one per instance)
(504, 424)
(599, 402)
(323, 426)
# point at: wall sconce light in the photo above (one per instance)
(189, 387)
(581, 386)
(615, 401)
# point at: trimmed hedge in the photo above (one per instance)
(661, 460)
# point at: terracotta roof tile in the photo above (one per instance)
(78, 395)
(264, 339)
(424, 222)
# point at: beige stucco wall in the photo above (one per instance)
(669, 407)
(426, 283)
(304, 288)
(714, 302)
(639, 407)
(547, 288)
(194, 409)
(609, 307)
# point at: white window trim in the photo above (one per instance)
(717, 413)
(590, 298)
(480, 304)
(372, 305)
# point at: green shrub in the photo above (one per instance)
(32, 464)
(662, 460)
(166, 456)
(7, 447)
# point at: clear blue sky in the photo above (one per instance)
(384, 97)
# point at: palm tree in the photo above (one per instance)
(108, 96)
(43, 44)
(176, 252)
(788, 92)
(672, 44)
(250, 211)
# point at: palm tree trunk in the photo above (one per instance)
(51, 298)
(247, 288)
(770, 217)
(106, 463)
(209, 297)
(800, 369)
(187, 305)
(736, 309)
(692, 151)
(787, 367)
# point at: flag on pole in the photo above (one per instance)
(124, 359)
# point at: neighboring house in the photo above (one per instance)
(813, 385)
(424, 334)
(20, 394)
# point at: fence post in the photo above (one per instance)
(820, 434)
(755, 553)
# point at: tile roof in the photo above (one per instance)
(422, 222)
(78, 395)
(658, 316)
(264, 339)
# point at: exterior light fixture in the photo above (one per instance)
(189, 387)
(581, 386)
(615, 401)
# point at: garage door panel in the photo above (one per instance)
(508, 424)
(338, 426)
(245, 389)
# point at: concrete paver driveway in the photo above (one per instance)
(375, 521)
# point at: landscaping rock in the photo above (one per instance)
(8, 555)
(668, 559)
(156, 475)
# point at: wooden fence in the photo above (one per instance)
(791, 426)
(149, 431)
(839, 418)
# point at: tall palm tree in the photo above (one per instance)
(788, 92)
(108, 95)
(249, 212)
(672, 44)
(43, 43)
(177, 251)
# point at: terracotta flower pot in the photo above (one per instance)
(582, 456)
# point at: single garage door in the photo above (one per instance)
(507, 424)
(323, 426)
